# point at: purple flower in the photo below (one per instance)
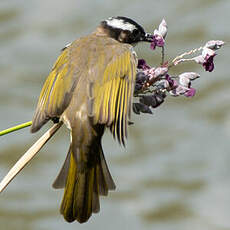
(190, 75)
(184, 87)
(142, 64)
(155, 73)
(199, 59)
(153, 45)
(186, 78)
(208, 56)
(209, 64)
(184, 81)
(179, 90)
(163, 28)
(214, 44)
(161, 71)
(158, 40)
(206, 59)
(183, 90)
(190, 93)
(172, 83)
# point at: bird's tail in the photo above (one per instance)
(83, 186)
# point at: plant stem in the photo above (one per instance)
(15, 128)
(33, 150)
(162, 55)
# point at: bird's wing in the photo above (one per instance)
(111, 99)
(56, 92)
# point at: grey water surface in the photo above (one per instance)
(174, 173)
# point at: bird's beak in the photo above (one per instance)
(148, 37)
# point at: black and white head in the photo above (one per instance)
(125, 30)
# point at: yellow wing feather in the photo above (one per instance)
(113, 98)
(56, 92)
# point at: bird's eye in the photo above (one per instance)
(135, 32)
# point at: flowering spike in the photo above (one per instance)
(154, 83)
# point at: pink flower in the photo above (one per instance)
(172, 83)
(186, 78)
(190, 93)
(208, 56)
(179, 90)
(206, 59)
(157, 72)
(214, 44)
(184, 86)
(142, 64)
(209, 64)
(163, 28)
(158, 40)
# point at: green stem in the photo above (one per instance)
(15, 128)
(162, 55)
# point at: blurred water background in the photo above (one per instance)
(174, 173)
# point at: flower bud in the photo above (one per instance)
(161, 71)
(190, 75)
(206, 53)
(157, 72)
(184, 81)
(163, 84)
(190, 93)
(153, 45)
(142, 64)
(214, 44)
(208, 56)
(172, 82)
(163, 28)
(158, 38)
(179, 90)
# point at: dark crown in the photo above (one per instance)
(123, 29)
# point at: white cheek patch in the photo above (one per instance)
(120, 24)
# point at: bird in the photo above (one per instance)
(89, 89)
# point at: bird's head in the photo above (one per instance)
(125, 30)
